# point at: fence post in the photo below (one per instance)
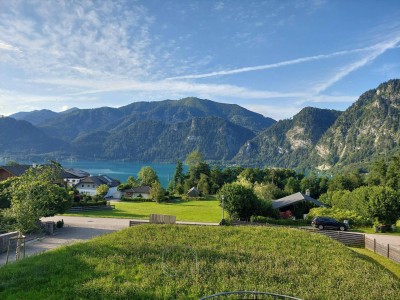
(388, 250)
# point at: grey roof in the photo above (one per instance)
(16, 170)
(75, 173)
(193, 192)
(294, 198)
(142, 189)
(99, 180)
(139, 190)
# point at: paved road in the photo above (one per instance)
(393, 240)
(78, 229)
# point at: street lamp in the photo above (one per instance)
(223, 208)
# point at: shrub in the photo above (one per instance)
(60, 224)
(340, 215)
(285, 222)
(91, 203)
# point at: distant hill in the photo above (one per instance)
(21, 137)
(370, 128)
(288, 143)
(216, 138)
(85, 121)
(35, 117)
(168, 130)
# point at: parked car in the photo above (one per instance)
(328, 223)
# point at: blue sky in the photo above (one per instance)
(272, 57)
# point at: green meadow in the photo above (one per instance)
(200, 211)
(188, 262)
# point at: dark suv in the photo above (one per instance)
(328, 223)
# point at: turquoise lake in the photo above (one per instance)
(118, 169)
(122, 170)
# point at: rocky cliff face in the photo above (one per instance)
(369, 128)
(288, 142)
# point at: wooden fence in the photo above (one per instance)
(162, 219)
(349, 239)
(387, 251)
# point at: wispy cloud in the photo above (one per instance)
(8, 47)
(375, 52)
(97, 87)
(271, 66)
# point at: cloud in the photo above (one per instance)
(84, 70)
(270, 66)
(8, 47)
(376, 51)
(274, 111)
(97, 87)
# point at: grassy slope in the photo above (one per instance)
(159, 262)
(201, 211)
(387, 263)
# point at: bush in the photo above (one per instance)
(137, 199)
(286, 222)
(60, 224)
(90, 203)
(340, 215)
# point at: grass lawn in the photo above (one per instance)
(188, 262)
(200, 211)
(386, 263)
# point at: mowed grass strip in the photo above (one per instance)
(188, 262)
(196, 211)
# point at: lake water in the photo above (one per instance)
(118, 169)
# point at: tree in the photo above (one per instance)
(5, 193)
(384, 205)
(102, 190)
(203, 184)
(267, 191)
(240, 202)
(157, 192)
(179, 177)
(194, 158)
(147, 176)
(132, 181)
(377, 173)
(393, 173)
(292, 186)
(34, 195)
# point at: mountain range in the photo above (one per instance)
(168, 130)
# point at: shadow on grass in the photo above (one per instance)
(114, 214)
(375, 262)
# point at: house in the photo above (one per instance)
(88, 185)
(137, 192)
(13, 171)
(296, 204)
(74, 176)
(193, 192)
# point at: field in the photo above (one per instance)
(188, 262)
(200, 211)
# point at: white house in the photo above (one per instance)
(137, 192)
(74, 176)
(89, 184)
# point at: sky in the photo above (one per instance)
(271, 57)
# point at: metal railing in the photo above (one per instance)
(248, 295)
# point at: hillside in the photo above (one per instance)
(21, 137)
(366, 130)
(216, 138)
(288, 142)
(85, 121)
(35, 117)
(190, 262)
